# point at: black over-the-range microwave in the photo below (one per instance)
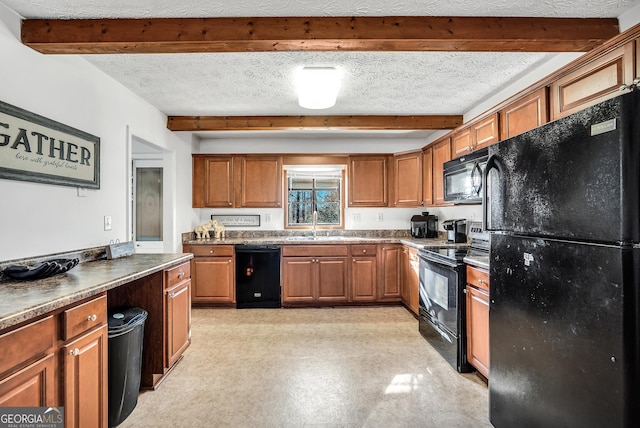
(463, 178)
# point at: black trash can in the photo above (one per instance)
(126, 333)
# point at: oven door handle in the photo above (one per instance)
(427, 258)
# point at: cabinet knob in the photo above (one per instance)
(229, 203)
(481, 281)
(172, 295)
(464, 291)
(364, 251)
(230, 260)
(210, 251)
(74, 352)
(354, 260)
(92, 317)
(181, 275)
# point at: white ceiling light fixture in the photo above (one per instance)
(318, 87)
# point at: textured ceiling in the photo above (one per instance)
(391, 83)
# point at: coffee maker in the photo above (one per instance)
(456, 230)
(424, 226)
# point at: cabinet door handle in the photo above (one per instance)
(464, 290)
(92, 318)
(74, 352)
(481, 281)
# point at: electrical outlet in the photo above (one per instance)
(356, 217)
(379, 216)
(267, 218)
(107, 222)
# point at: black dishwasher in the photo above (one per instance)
(257, 276)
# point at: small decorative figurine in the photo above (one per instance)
(202, 231)
(218, 230)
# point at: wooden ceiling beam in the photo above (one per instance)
(269, 34)
(271, 123)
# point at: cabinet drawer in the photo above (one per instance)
(363, 250)
(177, 274)
(210, 250)
(26, 342)
(314, 250)
(84, 317)
(478, 277)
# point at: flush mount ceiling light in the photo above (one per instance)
(318, 87)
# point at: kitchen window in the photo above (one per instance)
(318, 190)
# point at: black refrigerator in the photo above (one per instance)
(562, 209)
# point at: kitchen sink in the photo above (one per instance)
(318, 238)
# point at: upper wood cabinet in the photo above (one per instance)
(260, 182)
(212, 182)
(477, 135)
(524, 114)
(407, 180)
(368, 181)
(594, 82)
(441, 154)
(427, 176)
(237, 181)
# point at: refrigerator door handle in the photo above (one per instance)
(476, 171)
(493, 162)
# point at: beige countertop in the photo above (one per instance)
(23, 300)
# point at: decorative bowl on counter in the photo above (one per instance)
(43, 270)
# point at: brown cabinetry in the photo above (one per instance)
(213, 274)
(27, 365)
(407, 179)
(477, 296)
(85, 379)
(364, 273)
(212, 182)
(178, 304)
(314, 274)
(390, 273)
(368, 181)
(167, 329)
(475, 136)
(524, 114)
(441, 154)
(237, 181)
(410, 278)
(427, 176)
(260, 181)
(64, 352)
(594, 82)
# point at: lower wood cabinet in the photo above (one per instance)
(390, 273)
(477, 296)
(314, 274)
(178, 304)
(213, 275)
(85, 379)
(31, 386)
(59, 360)
(165, 295)
(410, 279)
(364, 273)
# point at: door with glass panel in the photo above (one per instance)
(147, 205)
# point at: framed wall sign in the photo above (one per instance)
(240, 220)
(34, 148)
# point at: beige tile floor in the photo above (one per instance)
(332, 367)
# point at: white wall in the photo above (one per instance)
(37, 219)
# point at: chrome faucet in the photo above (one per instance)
(315, 221)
